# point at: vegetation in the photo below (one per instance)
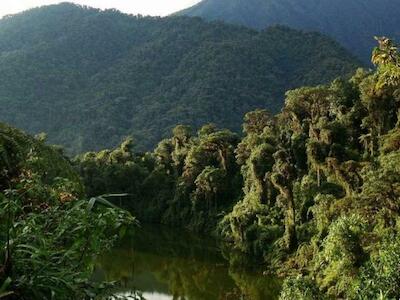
(89, 78)
(48, 237)
(334, 18)
(196, 177)
(312, 191)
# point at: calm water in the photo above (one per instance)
(165, 264)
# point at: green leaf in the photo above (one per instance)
(4, 286)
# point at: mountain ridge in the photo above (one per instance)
(89, 77)
(353, 23)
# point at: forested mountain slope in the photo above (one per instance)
(351, 22)
(89, 77)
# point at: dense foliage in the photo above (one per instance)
(88, 78)
(48, 237)
(314, 191)
(187, 181)
(351, 22)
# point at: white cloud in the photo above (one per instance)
(144, 7)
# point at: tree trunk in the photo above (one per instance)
(290, 223)
(223, 159)
(290, 236)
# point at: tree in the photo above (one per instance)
(223, 143)
(385, 53)
(209, 186)
(282, 176)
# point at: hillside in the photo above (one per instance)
(89, 77)
(351, 22)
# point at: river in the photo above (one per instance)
(163, 263)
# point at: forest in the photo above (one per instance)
(88, 78)
(312, 192)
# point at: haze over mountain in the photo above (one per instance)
(353, 23)
(89, 77)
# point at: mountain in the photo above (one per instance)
(88, 77)
(353, 23)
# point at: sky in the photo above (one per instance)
(144, 7)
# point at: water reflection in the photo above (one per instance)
(173, 264)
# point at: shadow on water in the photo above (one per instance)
(164, 263)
